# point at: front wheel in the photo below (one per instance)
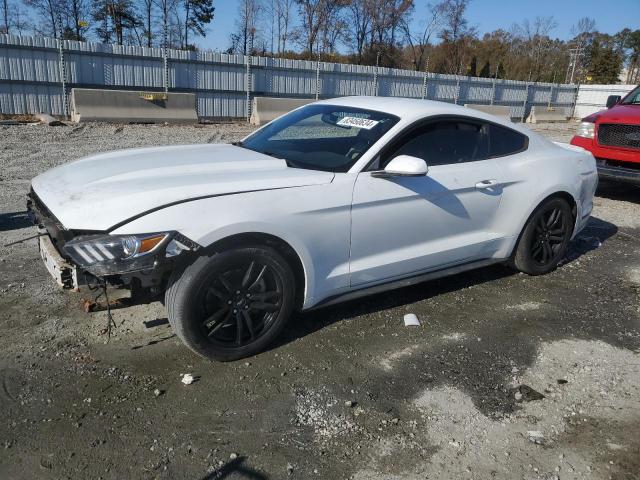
(545, 238)
(231, 304)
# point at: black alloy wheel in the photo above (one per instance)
(240, 302)
(545, 237)
(550, 234)
(231, 304)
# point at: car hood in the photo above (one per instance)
(629, 114)
(104, 190)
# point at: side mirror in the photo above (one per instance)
(404, 166)
(613, 100)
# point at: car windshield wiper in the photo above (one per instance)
(238, 144)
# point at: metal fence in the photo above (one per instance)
(36, 75)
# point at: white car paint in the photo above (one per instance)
(349, 229)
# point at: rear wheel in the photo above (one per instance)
(545, 238)
(232, 304)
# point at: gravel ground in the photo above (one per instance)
(509, 376)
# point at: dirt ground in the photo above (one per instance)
(508, 377)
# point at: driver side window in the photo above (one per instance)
(442, 143)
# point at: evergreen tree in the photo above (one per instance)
(604, 61)
(198, 14)
(472, 69)
(486, 70)
(116, 18)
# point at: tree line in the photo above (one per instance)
(123, 22)
(438, 37)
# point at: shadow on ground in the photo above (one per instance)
(625, 192)
(234, 467)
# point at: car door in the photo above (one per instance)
(406, 225)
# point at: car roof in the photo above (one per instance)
(411, 109)
(398, 106)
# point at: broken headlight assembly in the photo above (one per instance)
(117, 254)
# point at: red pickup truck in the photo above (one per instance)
(613, 137)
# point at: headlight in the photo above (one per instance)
(114, 254)
(586, 130)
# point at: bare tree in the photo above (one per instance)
(535, 37)
(456, 34)
(582, 33)
(387, 15)
(5, 17)
(19, 21)
(147, 10)
(47, 11)
(283, 15)
(419, 41)
(244, 38)
(76, 13)
(359, 19)
(311, 12)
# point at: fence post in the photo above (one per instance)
(375, 76)
(524, 103)
(424, 86)
(63, 79)
(318, 77)
(165, 58)
(493, 91)
(550, 97)
(575, 99)
(457, 89)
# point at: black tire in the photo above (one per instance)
(545, 238)
(215, 321)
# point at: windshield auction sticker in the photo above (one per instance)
(357, 122)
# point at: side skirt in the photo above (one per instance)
(404, 282)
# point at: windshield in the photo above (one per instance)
(632, 98)
(321, 137)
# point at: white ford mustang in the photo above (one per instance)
(337, 199)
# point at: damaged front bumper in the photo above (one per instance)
(66, 275)
(77, 258)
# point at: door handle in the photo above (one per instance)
(487, 184)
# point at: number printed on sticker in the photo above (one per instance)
(357, 122)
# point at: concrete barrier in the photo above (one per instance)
(125, 106)
(546, 114)
(501, 111)
(265, 109)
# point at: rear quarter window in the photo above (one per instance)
(504, 141)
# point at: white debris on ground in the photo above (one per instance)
(410, 320)
(320, 411)
(525, 307)
(388, 360)
(187, 379)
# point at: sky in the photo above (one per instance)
(611, 16)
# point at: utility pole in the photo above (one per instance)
(574, 58)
